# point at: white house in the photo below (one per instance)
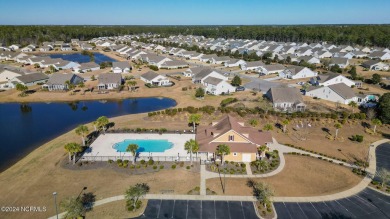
(220, 60)
(286, 99)
(109, 81)
(234, 63)
(121, 67)
(85, 67)
(309, 59)
(252, 65)
(217, 86)
(271, 69)
(58, 81)
(6, 77)
(155, 79)
(31, 79)
(330, 78)
(339, 93)
(190, 72)
(203, 74)
(14, 47)
(65, 65)
(296, 72)
(66, 47)
(174, 64)
(375, 65)
(341, 62)
(380, 55)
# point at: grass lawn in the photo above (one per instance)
(115, 209)
(302, 176)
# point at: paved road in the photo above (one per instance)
(183, 209)
(366, 204)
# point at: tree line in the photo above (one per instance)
(365, 35)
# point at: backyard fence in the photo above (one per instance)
(139, 158)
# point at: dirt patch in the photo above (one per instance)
(302, 176)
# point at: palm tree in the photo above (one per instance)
(191, 146)
(133, 149)
(268, 127)
(134, 193)
(82, 130)
(376, 122)
(262, 164)
(262, 149)
(73, 207)
(222, 150)
(73, 148)
(253, 122)
(101, 123)
(285, 123)
(194, 119)
(131, 85)
(337, 126)
(352, 104)
(263, 193)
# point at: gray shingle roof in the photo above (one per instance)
(110, 78)
(150, 75)
(285, 95)
(28, 78)
(212, 80)
(343, 90)
(121, 65)
(58, 78)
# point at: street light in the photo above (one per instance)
(55, 202)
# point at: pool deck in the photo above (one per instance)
(103, 145)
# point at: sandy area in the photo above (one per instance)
(302, 176)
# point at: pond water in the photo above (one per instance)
(78, 57)
(24, 127)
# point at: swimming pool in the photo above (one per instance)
(145, 145)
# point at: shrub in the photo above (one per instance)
(154, 167)
(173, 166)
(188, 167)
(161, 167)
(181, 164)
(138, 166)
(110, 161)
(142, 162)
(151, 162)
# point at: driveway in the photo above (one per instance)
(189, 209)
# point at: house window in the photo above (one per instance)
(234, 154)
(231, 137)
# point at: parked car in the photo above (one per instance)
(240, 88)
(301, 83)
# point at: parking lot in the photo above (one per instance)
(188, 209)
(366, 204)
(383, 156)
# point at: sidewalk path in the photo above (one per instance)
(358, 188)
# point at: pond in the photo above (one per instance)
(78, 57)
(24, 127)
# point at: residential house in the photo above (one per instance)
(297, 72)
(190, 72)
(155, 79)
(153, 59)
(66, 47)
(380, 55)
(121, 67)
(45, 49)
(242, 140)
(85, 67)
(217, 86)
(7, 76)
(28, 48)
(174, 64)
(286, 99)
(58, 81)
(234, 63)
(86, 46)
(14, 47)
(203, 74)
(109, 81)
(330, 78)
(323, 54)
(339, 93)
(252, 66)
(75, 41)
(359, 54)
(271, 69)
(220, 60)
(375, 65)
(310, 59)
(31, 79)
(65, 65)
(207, 58)
(341, 62)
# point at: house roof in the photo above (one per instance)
(295, 69)
(121, 65)
(150, 75)
(88, 65)
(175, 63)
(276, 67)
(326, 77)
(212, 80)
(202, 74)
(343, 90)
(226, 124)
(339, 61)
(377, 54)
(110, 78)
(58, 78)
(27, 78)
(370, 63)
(254, 64)
(285, 95)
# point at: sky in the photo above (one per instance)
(189, 12)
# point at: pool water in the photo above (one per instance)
(145, 145)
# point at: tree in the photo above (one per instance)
(81, 85)
(253, 122)
(384, 108)
(194, 119)
(261, 164)
(262, 149)
(101, 123)
(236, 81)
(263, 193)
(352, 104)
(285, 123)
(199, 92)
(22, 88)
(376, 78)
(134, 193)
(191, 146)
(268, 127)
(384, 176)
(336, 68)
(93, 78)
(82, 130)
(52, 69)
(353, 73)
(376, 122)
(222, 150)
(73, 148)
(131, 85)
(288, 59)
(133, 149)
(69, 85)
(73, 207)
(337, 126)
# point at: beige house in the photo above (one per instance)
(242, 140)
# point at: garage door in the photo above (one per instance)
(246, 157)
